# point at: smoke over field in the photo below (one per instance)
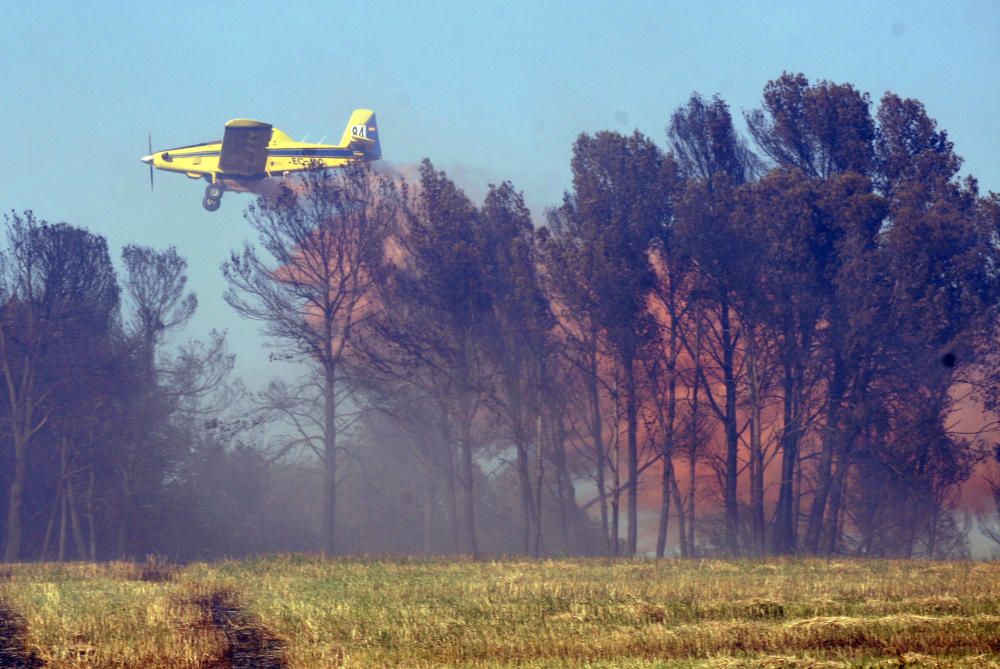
(771, 341)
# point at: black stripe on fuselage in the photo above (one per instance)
(310, 153)
(194, 154)
(277, 153)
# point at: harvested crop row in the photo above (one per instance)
(109, 615)
(248, 644)
(360, 613)
(14, 653)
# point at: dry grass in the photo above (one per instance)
(90, 615)
(560, 613)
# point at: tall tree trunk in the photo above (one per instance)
(797, 504)
(71, 500)
(329, 458)
(564, 487)
(539, 480)
(471, 544)
(50, 525)
(932, 539)
(692, 488)
(74, 519)
(681, 515)
(668, 451)
(429, 502)
(784, 532)
(466, 410)
(732, 433)
(22, 401)
(824, 471)
(632, 422)
(61, 555)
(90, 517)
(64, 481)
(616, 501)
(517, 419)
(831, 530)
(600, 456)
(665, 489)
(526, 494)
(451, 480)
(12, 551)
(125, 510)
(754, 384)
(693, 444)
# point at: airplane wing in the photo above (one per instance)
(244, 147)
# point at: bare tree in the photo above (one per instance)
(322, 251)
(154, 283)
(430, 338)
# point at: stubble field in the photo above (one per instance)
(295, 611)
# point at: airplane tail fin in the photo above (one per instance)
(361, 134)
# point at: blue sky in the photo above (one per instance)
(487, 90)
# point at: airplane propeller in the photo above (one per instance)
(150, 154)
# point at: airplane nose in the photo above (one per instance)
(147, 159)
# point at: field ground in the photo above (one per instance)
(301, 612)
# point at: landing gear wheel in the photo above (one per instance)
(214, 191)
(211, 203)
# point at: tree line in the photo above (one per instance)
(740, 348)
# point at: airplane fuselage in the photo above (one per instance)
(252, 151)
(202, 160)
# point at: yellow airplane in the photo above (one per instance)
(251, 151)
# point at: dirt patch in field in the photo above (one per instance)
(248, 644)
(14, 652)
